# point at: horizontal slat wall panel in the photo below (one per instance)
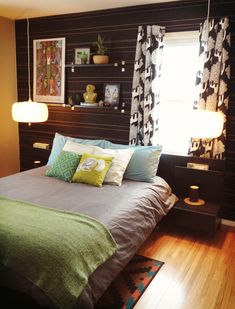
(119, 27)
(82, 122)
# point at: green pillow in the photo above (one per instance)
(64, 166)
(92, 169)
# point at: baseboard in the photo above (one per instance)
(228, 222)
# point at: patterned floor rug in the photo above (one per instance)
(128, 287)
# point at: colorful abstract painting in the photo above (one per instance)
(49, 58)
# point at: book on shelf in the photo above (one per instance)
(89, 104)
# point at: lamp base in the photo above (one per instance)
(199, 202)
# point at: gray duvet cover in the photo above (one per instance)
(130, 212)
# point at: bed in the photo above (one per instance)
(130, 212)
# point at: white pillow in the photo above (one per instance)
(79, 148)
(121, 158)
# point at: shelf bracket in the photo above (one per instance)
(72, 67)
(123, 63)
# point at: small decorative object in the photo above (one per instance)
(193, 199)
(82, 55)
(111, 94)
(90, 96)
(49, 73)
(100, 58)
(204, 167)
(193, 195)
(77, 98)
(101, 103)
(70, 100)
(84, 104)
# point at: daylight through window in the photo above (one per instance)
(177, 94)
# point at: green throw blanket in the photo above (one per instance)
(56, 250)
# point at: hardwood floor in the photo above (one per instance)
(199, 270)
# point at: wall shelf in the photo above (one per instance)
(210, 176)
(92, 65)
(107, 108)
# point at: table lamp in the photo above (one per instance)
(206, 125)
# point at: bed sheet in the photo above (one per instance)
(130, 212)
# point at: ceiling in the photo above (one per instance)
(18, 9)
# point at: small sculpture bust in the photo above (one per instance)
(90, 96)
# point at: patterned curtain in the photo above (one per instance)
(212, 82)
(145, 90)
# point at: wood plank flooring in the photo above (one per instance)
(199, 270)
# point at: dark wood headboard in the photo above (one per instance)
(88, 123)
(172, 168)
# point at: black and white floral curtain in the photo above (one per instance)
(145, 89)
(213, 82)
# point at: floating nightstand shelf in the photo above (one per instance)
(192, 174)
(204, 218)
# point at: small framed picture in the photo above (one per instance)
(111, 94)
(82, 55)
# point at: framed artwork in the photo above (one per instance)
(49, 70)
(82, 55)
(111, 94)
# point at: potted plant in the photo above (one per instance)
(100, 57)
(83, 57)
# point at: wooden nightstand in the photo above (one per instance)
(202, 218)
(35, 158)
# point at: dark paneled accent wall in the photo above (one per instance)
(119, 27)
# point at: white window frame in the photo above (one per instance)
(175, 39)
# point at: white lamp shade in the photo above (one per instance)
(29, 111)
(205, 124)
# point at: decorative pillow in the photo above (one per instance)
(64, 166)
(60, 140)
(144, 162)
(79, 148)
(121, 158)
(92, 169)
(144, 165)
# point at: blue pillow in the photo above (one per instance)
(60, 140)
(144, 161)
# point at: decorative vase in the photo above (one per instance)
(100, 59)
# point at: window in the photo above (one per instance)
(177, 92)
